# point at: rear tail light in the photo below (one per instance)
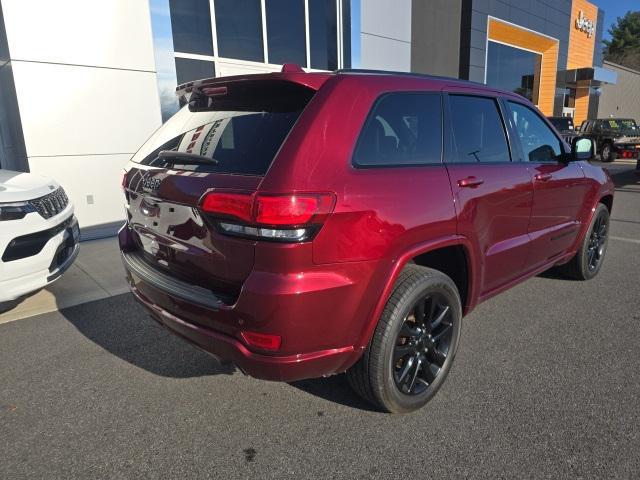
(262, 340)
(285, 218)
(238, 205)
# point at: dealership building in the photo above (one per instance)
(84, 82)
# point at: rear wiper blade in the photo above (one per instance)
(186, 158)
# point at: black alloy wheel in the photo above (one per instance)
(597, 243)
(588, 260)
(422, 344)
(414, 343)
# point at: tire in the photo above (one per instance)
(378, 375)
(582, 267)
(607, 155)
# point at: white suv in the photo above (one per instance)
(38, 233)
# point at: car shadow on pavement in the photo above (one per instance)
(335, 389)
(124, 329)
(556, 273)
(624, 178)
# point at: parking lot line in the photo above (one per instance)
(623, 239)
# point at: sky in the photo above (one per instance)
(614, 9)
(163, 51)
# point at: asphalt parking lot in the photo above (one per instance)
(546, 384)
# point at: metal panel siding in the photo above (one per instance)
(385, 39)
(435, 47)
(102, 110)
(623, 98)
(387, 19)
(113, 34)
(597, 52)
(380, 53)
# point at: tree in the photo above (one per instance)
(624, 46)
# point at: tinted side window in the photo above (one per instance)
(589, 127)
(402, 129)
(478, 131)
(539, 143)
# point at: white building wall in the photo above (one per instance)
(86, 85)
(385, 38)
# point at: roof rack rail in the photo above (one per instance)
(364, 71)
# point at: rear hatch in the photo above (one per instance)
(224, 139)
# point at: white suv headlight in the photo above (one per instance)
(15, 211)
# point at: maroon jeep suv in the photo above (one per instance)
(307, 224)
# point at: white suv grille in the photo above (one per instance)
(52, 204)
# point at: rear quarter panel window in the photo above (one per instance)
(402, 129)
(477, 130)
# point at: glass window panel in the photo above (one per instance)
(323, 34)
(539, 143)
(239, 29)
(513, 69)
(286, 36)
(191, 26)
(477, 129)
(188, 70)
(402, 129)
(346, 33)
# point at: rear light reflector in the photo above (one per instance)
(262, 340)
(294, 235)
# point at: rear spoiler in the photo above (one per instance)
(213, 87)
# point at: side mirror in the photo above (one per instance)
(582, 149)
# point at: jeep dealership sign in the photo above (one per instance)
(584, 24)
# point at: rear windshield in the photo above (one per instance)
(241, 130)
(562, 123)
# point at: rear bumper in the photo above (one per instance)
(318, 313)
(279, 368)
(627, 151)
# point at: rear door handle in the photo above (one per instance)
(543, 177)
(471, 182)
